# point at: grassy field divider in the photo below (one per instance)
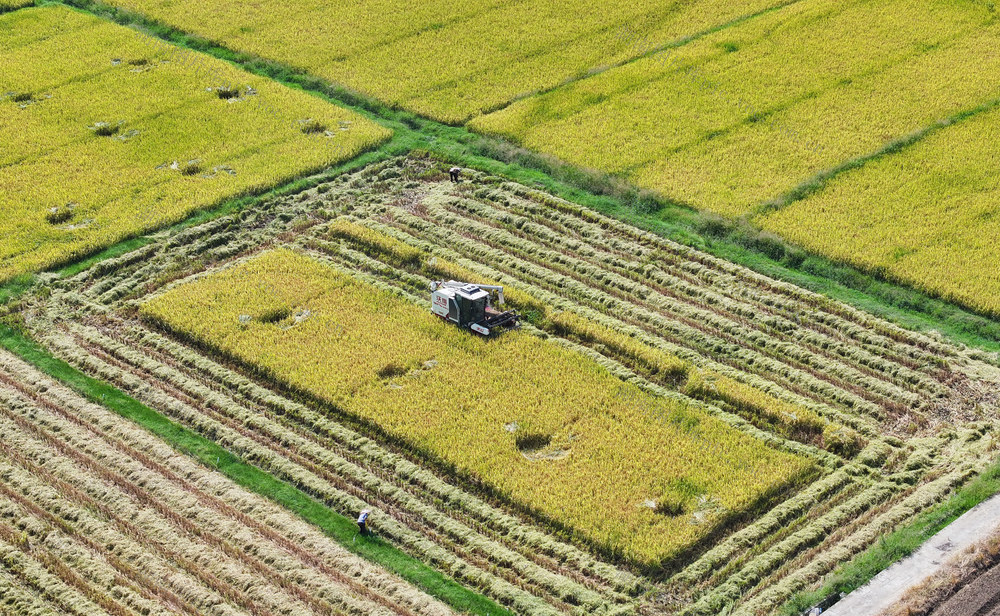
(339, 527)
(821, 179)
(900, 543)
(646, 50)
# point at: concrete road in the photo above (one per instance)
(891, 585)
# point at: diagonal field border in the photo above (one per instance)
(338, 527)
(645, 50)
(819, 181)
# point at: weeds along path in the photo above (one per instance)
(934, 562)
(101, 517)
(921, 408)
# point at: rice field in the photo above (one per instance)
(891, 420)
(667, 433)
(544, 426)
(951, 252)
(98, 516)
(737, 118)
(126, 134)
(438, 59)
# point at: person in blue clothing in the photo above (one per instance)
(363, 521)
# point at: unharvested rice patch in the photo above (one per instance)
(452, 411)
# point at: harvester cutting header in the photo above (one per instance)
(469, 306)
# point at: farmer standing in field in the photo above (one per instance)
(363, 521)
(454, 171)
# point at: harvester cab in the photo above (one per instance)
(469, 306)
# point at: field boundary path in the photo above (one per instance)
(890, 585)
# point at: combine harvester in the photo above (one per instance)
(468, 305)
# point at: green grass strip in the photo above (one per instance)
(16, 288)
(900, 543)
(340, 528)
(818, 182)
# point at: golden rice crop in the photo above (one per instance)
(741, 116)
(926, 215)
(763, 410)
(542, 424)
(125, 134)
(442, 59)
(395, 250)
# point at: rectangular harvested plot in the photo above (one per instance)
(929, 214)
(446, 60)
(126, 133)
(742, 116)
(542, 424)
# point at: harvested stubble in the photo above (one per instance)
(751, 568)
(527, 568)
(126, 134)
(106, 519)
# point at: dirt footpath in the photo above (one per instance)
(891, 585)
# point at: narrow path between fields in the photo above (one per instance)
(891, 585)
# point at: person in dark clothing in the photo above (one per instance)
(454, 173)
